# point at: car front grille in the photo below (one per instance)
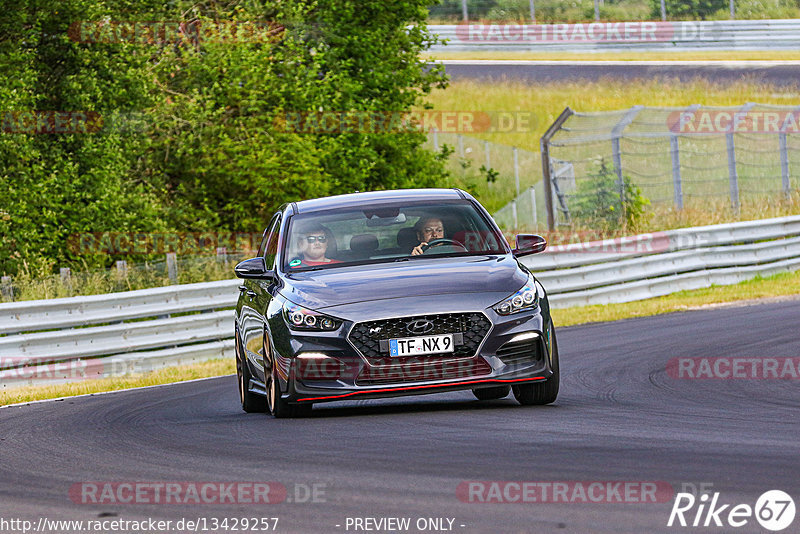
(367, 336)
(526, 351)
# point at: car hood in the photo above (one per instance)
(477, 282)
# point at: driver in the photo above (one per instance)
(427, 228)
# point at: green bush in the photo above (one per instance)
(210, 156)
(598, 204)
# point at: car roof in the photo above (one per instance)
(377, 197)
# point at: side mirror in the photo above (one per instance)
(529, 244)
(254, 268)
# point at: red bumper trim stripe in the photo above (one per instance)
(427, 386)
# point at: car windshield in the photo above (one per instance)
(388, 233)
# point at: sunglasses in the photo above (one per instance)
(315, 238)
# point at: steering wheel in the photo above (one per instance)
(440, 242)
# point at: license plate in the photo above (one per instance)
(415, 346)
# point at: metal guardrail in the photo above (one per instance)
(632, 35)
(658, 264)
(95, 336)
(129, 331)
(31, 315)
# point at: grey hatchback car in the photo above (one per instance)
(390, 293)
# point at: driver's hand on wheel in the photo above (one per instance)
(416, 251)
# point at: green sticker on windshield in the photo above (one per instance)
(295, 263)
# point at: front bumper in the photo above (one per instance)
(327, 366)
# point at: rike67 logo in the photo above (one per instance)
(774, 510)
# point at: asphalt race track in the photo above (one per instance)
(619, 417)
(779, 73)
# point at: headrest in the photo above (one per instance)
(364, 243)
(407, 238)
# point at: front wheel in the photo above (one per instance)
(539, 393)
(251, 402)
(278, 407)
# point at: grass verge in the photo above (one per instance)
(783, 284)
(166, 375)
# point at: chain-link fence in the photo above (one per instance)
(495, 174)
(703, 158)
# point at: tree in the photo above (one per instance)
(210, 156)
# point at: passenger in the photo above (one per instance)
(427, 228)
(312, 243)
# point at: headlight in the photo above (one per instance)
(301, 318)
(525, 298)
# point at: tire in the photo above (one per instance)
(251, 402)
(497, 392)
(278, 407)
(540, 393)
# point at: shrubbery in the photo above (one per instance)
(601, 204)
(209, 156)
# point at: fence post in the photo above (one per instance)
(488, 157)
(785, 152)
(435, 139)
(6, 289)
(616, 153)
(172, 267)
(676, 171)
(733, 10)
(464, 12)
(122, 268)
(544, 147)
(516, 168)
(222, 254)
(663, 10)
(514, 213)
(533, 12)
(460, 139)
(597, 10)
(66, 277)
(732, 173)
(533, 208)
(784, 164)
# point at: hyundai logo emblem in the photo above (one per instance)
(419, 326)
